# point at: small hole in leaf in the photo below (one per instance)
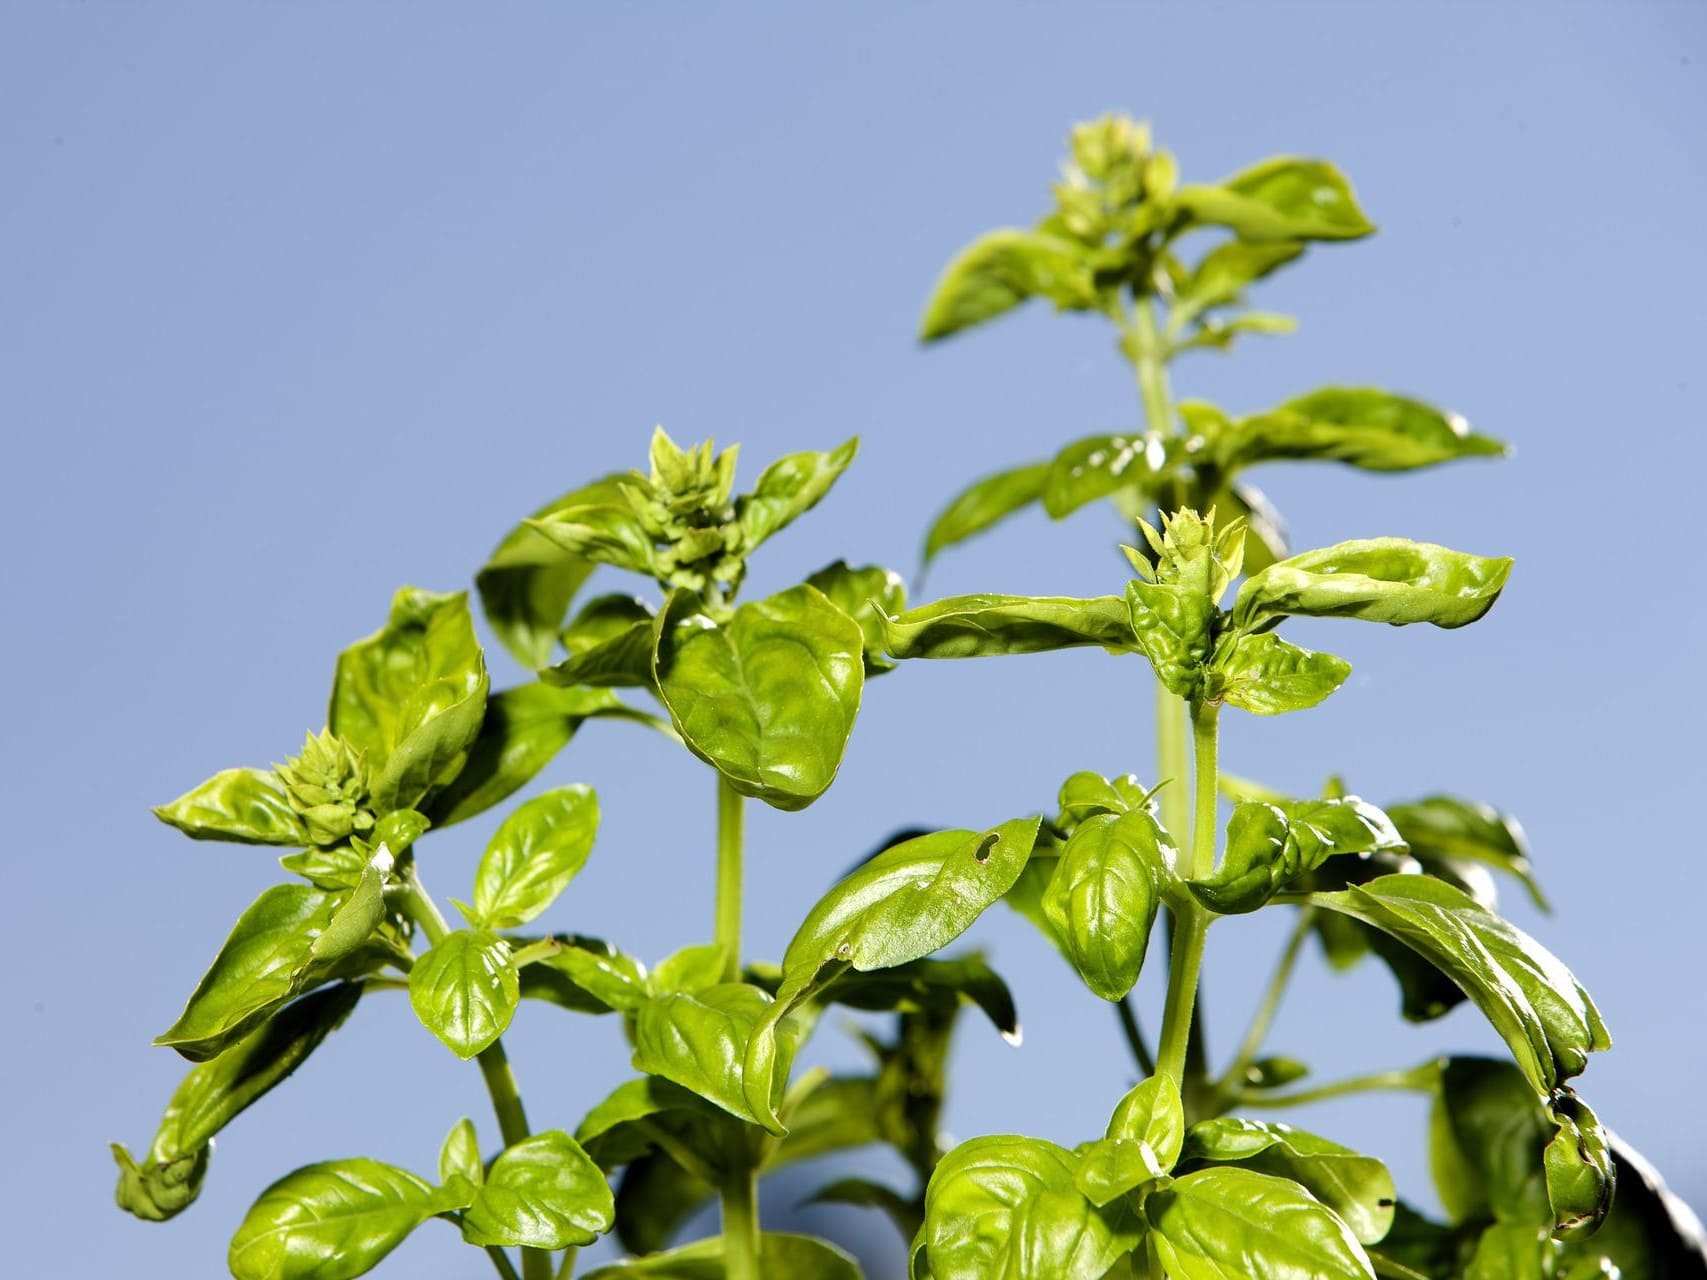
(989, 842)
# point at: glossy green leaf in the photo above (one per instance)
(1173, 628)
(1152, 1113)
(868, 595)
(358, 914)
(1286, 198)
(931, 984)
(335, 870)
(459, 1156)
(524, 728)
(589, 976)
(1104, 894)
(1270, 846)
(465, 989)
(983, 625)
(412, 696)
(1085, 794)
(609, 644)
(1650, 1234)
(259, 968)
(1007, 1206)
(1002, 269)
(984, 503)
(1097, 466)
(248, 806)
(1356, 1187)
(700, 1040)
(1113, 1167)
(863, 1193)
(612, 1132)
(1266, 675)
(781, 1257)
(608, 532)
(1265, 531)
(528, 581)
(331, 1221)
(543, 1192)
(1510, 1253)
(1226, 270)
(215, 1092)
(1539, 1009)
(1363, 426)
(788, 488)
(689, 969)
(769, 697)
(1236, 1224)
(156, 1190)
(1390, 580)
(1578, 1164)
(533, 856)
(1444, 829)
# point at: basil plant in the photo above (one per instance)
(1184, 1182)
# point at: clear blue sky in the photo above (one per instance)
(303, 302)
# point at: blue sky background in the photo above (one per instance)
(305, 302)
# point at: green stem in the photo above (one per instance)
(419, 906)
(1135, 1036)
(1149, 359)
(1191, 921)
(1263, 1019)
(729, 818)
(501, 1261)
(567, 1268)
(1420, 1079)
(740, 1225)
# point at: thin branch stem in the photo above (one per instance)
(1419, 1079)
(1263, 1020)
(501, 1261)
(1135, 1036)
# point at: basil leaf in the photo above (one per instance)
(331, 1221)
(1650, 1233)
(1390, 580)
(1103, 897)
(159, 1189)
(1235, 1224)
(768, 698)
(1286, 198)
(699, 1041)
(357, 916)
(608, 532)
(1444, 829)
(1224, 272)
(459, 1156)
(533, 856)
(412, 696)
(788, 488)
(1085, 794)
(1097, 466)
(1270, 846)
(464, 990)
(1110, 1168)
(1000, 270)
(1173, 627)
(932, 984)
(588, 976)
(609, 644)
(611, 1132)
(984, 503)
(543, 1192)
(781, 1257)
(248, 806)
(1368, 428)
(1510, 1253)
(1356, 1187)
(1266, 676)
(1006, 1205)
(981, 625)
(1539, 1009)
(1152, 1113)
(868, 595)
(1578, 1164)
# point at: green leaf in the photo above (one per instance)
(1173, 626)
(700, 1040)
(608, 532)
(1270, 846)
(934, 985)
(248, 806)
(1097, 466)
(533, 856)
(1357, 1188)
(214, 1093)
(1579, 1170)
(1539, 1009)
(358, 915)
(1103, 897)
(768, 698)
(862, 1193)
(1113, 1167)
(412, 696)
(331, 1221)
(611, 1132)
(1286, 198)
(588, 976)
(524, 728)
(1362, 426)
(1236, 1224)
(983, 503)
(528, 581)
(689, 969)
(609, 644)
(868, 595)
(1152, 1113)
(782, 1257)
(465, 989)
(1650, 1234)
(1266, 676)
(1007, 1206)
(788, 488)
(1510, 1253)
(334, 870)
(1225, 271)
(459, 1157)
(1390, 580)
(1444, 829)
(982, 625)
(260, 967)
(543, 1192)
(1000, 270)
(1086, 794)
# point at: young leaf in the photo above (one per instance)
(781, 1257)
(1363, 426)
(1152, 1113)
(459, 1156)
(1270, 846)
(1357, 1188)
(589, 976)
(1103, 897)
(1510, 1253)
(868, 595)
(699, 1042)
(982, 504)
(788, 488)
(1000, 270)
(1231, 1224)
(768, 698)
(331, 1221)
(1225, 271)
(1539, 1009)
(983, 625)
(537, 851)
(1113, 1167)
(1173, 628)
(1086, 794)
(358, 915)
(609, 644)
(1390, 580)
(464, 990)
(1097, 466)
(609, 532)
(1444, 829)
(1266, 676)
(543, 1192)
(248, 806)
(1650, 1233)
(412, 696)
(1286, 198)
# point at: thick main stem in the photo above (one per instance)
(1151, 362)
(729, 821)
(740, 1226)
(1191, 920)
